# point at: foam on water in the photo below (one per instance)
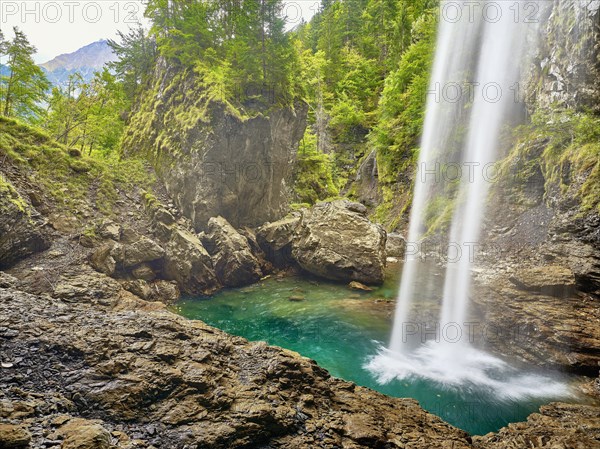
(463, 367)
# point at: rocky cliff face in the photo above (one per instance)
(213, 160)
(566, 70)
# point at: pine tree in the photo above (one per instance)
(136, 53)
(24, 88)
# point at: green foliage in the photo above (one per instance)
(313, 178)
(565, 145)
(69, 180)
(88, 115)
(402, 106)
(24, 88)
(136, 55)
(238, 47)
(364, 69)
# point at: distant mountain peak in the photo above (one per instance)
(91, 57)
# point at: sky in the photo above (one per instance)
(55, 27)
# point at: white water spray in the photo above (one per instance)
(482, 50)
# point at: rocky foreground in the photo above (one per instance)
(105, 369)
(114, 371)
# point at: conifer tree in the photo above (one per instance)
(23, 89)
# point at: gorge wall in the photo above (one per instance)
(212, 158)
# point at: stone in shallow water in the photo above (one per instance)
(395, 245)
(354, 285)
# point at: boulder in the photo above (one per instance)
(336, 242)
(139, 288)
(144, 272)
(141, 251)
(85, 285)
(65, 224)
(109, 230)
(188, 263)
(232, 257)
(165, 291)
(84, 434)
(395, 245)
(275, 239)
(265, 265)
(162, 215)
(21, 233)
(101, 259)
(7, 280)
(13, 436)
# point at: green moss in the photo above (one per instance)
(313, 180)
(67, 180)
(565, 146)
(8, 191)
(298, 206)
(90, 232)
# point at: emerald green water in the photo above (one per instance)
(342, 329)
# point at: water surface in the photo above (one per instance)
(343, 330)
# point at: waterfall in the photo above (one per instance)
(482, 52)
(478, 65)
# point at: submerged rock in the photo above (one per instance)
(334, 241)
(354, 285)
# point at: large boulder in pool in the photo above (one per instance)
(336, 240)
(233, 260)
(275, 239)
